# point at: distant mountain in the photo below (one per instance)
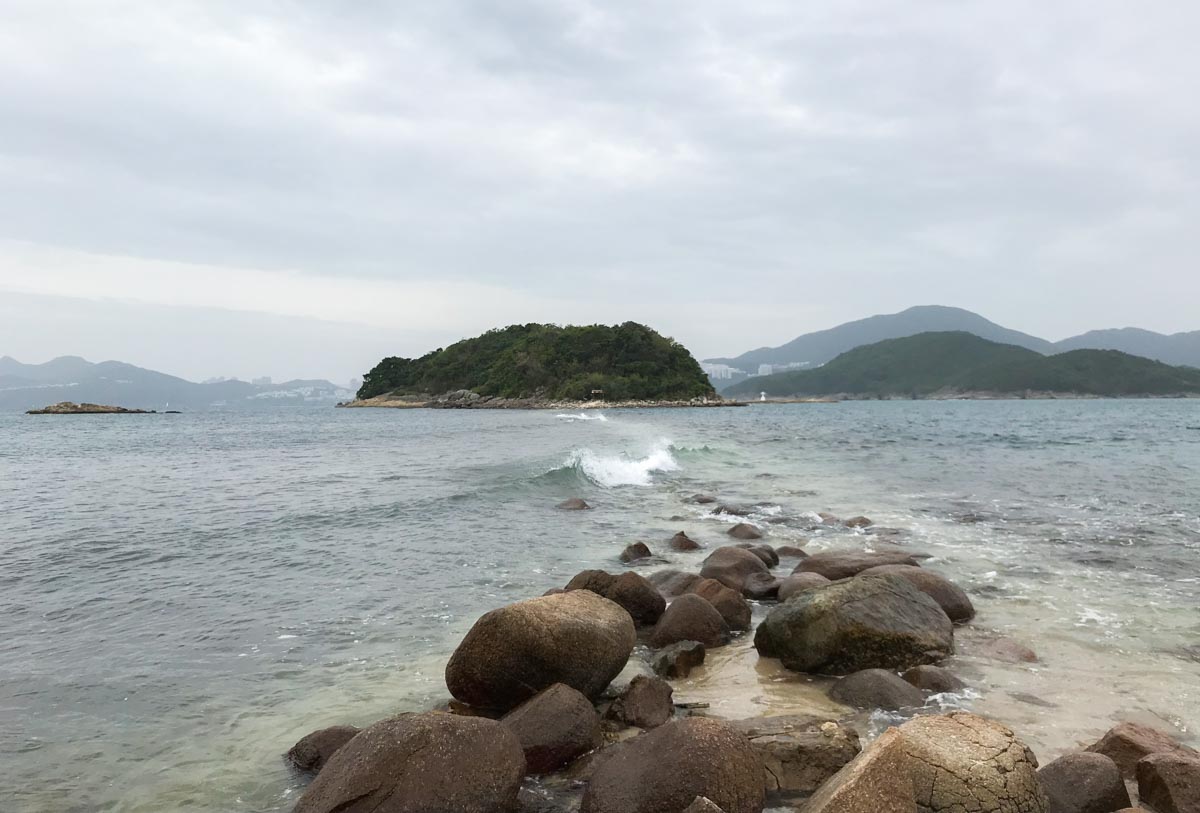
(70, 378)
(1177, 348)
(817, 348)
(954, 362)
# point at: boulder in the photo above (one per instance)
(872, 622)
(1170, 782)
(793, 584)
(744, 530)
(512, 653)
(835, 565)
(573, 504)
(791, 552)
(761, 586)
(731, 509)
(646, 703)
(667, 768)
(1128, 743)
(421, 762)
(631, 591)
(762, 551)
(877, 689)
(673, 583)
(946, 593)
(1084, 783)
(702, 499)
(799, 753)
(555, 727)
(734, 609)
(683, 542)
(313, 750)
(634, 552)
(937, 764)
(933, 679)
(690, 618)
(679, 659)
(858, 522)
(730, 566)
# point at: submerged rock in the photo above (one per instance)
(573, 504)
(949, 596)
(731, 566)
(799, 753)
(876, 689)
(683, 542)
(679, 659)
(933, 679)
(554, 728)
(835, 565)
(634, 552)
(690, 618)
(744, 530)
(631, 591)
(512, 653)
(421, 762)
(874, 621)
(1084, 783)
(858, 522)
(667, 768)
(646, 703)
(313, 750)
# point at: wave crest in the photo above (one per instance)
(622, 470)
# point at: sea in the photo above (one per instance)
(183, 596)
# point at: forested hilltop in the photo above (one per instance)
(627, 362)
(957, 362)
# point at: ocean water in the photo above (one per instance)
(184, 596)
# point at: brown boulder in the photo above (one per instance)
(1170, 782)
(1084, 783)
(313, 750)
(673, 583)
(415, 763)
(731, 566)
(679, 659)
(949, 596)
(799, 753)
(762, 551)
(791, 552)
(646, 703)
(667, 768)
(732, 607)
(554, 728)
(761, 586)
(858, 522)
(573, 504)
(744, 530)
(690, 618)
(793, 584)
(634, 552)
(876, 689)
(1128, 743)
(933, 679)
(701, 499)
(631, 591)
(683, 542)
(835, 565)
(512, 653)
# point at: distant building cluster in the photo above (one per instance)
(771, 369)
(721, 372)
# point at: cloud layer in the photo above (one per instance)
(732, 174)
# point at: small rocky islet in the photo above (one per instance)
(564, 703)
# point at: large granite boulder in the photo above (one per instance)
(835, 565)
(646, 703)
(1084, 783)
(512, 653)
(799, 753)
(871, 622)
(798, 582)
(667, 768)
(877, 689)
(690, 618)
(949, 596)
(1128, 743)
(632, 591)
(730, 566)
(732, 607)
(415, 763)
(1170, 782)
(313, 750)
(554, 728)
(937, 764)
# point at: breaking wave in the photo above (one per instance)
(609, 471)
(582, 416)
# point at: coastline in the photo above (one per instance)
(465, 399)
(971, 396)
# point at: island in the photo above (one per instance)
(71, 408)
(536, 366)
(956, 364)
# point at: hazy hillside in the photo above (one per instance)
(962, 362)
(1177, 348)
(824, 345)
(70, 378)
(628, 361)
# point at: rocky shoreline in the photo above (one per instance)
(71, 408)
(566, 702)
(466, 399)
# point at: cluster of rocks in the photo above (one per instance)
(552, 709)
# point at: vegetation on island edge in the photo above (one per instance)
(623, 362)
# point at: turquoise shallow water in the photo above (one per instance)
(185, 595)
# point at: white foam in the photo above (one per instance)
(623, 470)
(582, 416)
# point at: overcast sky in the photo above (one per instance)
(236, 187)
